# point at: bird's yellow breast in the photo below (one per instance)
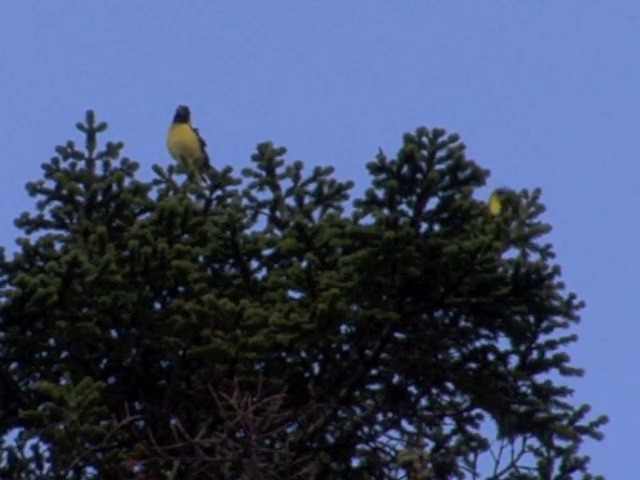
(183, 143)
(495, 204)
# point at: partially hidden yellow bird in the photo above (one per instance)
(495, 202)
(186, 145)
(503, 200)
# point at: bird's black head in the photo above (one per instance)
(183, 115)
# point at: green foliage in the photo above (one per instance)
(261, 327)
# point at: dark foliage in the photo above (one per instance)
(250, 328)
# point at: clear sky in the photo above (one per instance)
(543, 93)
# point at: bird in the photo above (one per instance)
(495, 202)
(186, 145)
(504, 201)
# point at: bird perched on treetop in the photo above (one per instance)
(502, 201)
(186, 145)
(495, 202)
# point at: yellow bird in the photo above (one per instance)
(186, 145)
(495, 203)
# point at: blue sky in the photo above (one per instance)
(543, 93)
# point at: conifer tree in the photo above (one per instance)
(261, 326)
